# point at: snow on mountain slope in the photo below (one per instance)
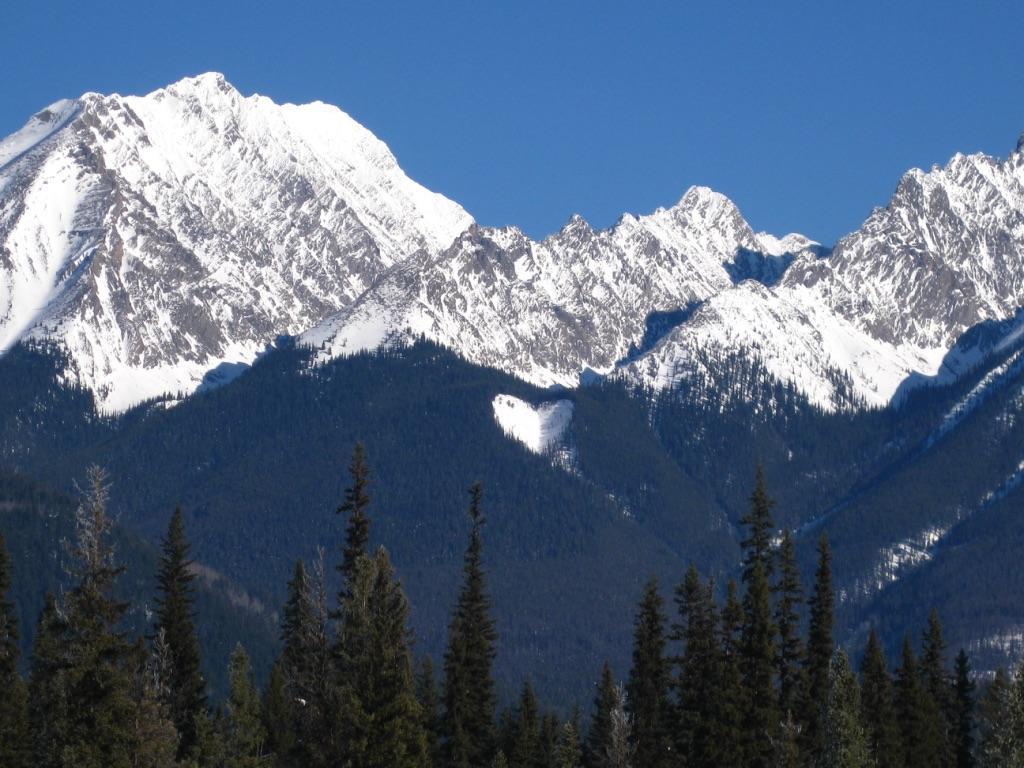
(156, 237)
(888, 303)
(574, 302)
(539, 428)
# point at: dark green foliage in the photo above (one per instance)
(820, 647)
(698, 684)
(99, 669)
(379, 720)
(278, 718)
(788, 599)
(938, 686)
(14, 733)
(469, 686)
(245, 735)
(759, 529)
(357, 526)
(525, 749)
(599, 734)
(430, 709)
(730, 732)
(647, 689)
(569, 752)
(963, 712)
(48, 698)
(916, 713)
(186, 689)
(845, 742)
(999, 740)
(878, 708)
(757, 643)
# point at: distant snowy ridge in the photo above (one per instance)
(161, 237)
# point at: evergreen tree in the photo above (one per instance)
(278, 715)
(998, 742)
(729, 731)
(600, 733)
(877, 707)
(698, 682)
(845, 742)
(469, 686)
(619, 752)
(186, 689)
(963, 734)
(156, 740)
(938, 689)
(245, 734)
(430, 709)
(758, 521)
(354, 508)
(525, 751)
(569, 753)
(647, 691)
(381, 723)
(14, 732)
(915, 712)
(789, 597)
(300, 670)
(820, 647)
(550, 730)
(48, 700)
(757, 648)
(100, 670)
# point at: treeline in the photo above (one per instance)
(752, 681)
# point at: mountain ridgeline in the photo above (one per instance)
(215, 296)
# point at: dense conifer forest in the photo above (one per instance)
(748, 673)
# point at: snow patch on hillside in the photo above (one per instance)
(538, 427)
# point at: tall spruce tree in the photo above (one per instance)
(759, 525)
(698, 680)
(185, 690)
(600, 732)
(647, 690)
(569, 753)
(998, 744)
(469, 698)
(49, 727)
(526, 738)
(877, 706)
(246, 737)
(300, 669)
(788, 599)
(916, 714)
(938, 686)
(732, 700)
(820, 647)
(100, 660)
(846, 743)
(14, 732)
(963, 733)
(430, 709)
(354, 509)
(380, 719)
(758, 651)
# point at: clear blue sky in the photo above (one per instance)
(525, 112)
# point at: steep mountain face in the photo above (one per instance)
(579, 301)
(157, 237)
(890, 301)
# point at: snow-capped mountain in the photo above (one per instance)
(156, 237)
(580, 300)
(889, 304)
